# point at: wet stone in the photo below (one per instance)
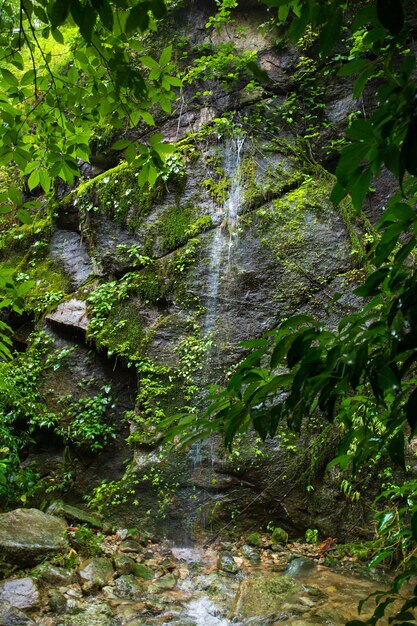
(124, 564)
(128, 586)
(130, 546)
(21, 593)
(165, 583)
(57, 601)
(11, 616)
(28, 536)
(251, 553)
(54, 575)
(226, 563)
(95, 573)
(142, 571)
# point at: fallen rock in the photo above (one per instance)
(10, 616)
(95, 574)
(28, 536)
(54, 575)
(128, 587)
(226, 563)
(70, 313)
(21, 593)
(264, 596)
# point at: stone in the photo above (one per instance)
(74, 513)
(57, 601)
(251, 553)
(165, 583)
(279, 535)
(95, 573)
(142, 571)
(28, 536)
(21, 593)
(71, 313)
(130, 546)
(262, 596)
(54, 575)
(300, 566)
(69, 252)
(11, 616)
(226, 563)
(128, 586)
(123, 564)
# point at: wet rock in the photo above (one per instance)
(54, 575)
(57, 601)
(95, 573)
(280, 536)
(300, 566)
(22, 593)
(27, 536)
(71, 313)
(130, 546)
(74, 513)
(70, 252)
(165, 583)
(142, 571)
(251, 553)
(124, 564)
(226, 563)
(128, 586)
(11, 616)
(264, 596)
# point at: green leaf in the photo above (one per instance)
(411, 411)
(165, 56)
(391, 15)
(353, 67)
(58, 12)
(24, 216)
(33, 180)
(370, 287)
(121, 144)
(331, 31)
(138, 18)
(396, 449)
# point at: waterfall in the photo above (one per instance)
(220, 251)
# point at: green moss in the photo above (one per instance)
(117, 193)
(254, 539)
(173, 227)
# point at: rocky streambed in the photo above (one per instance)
(67, 573)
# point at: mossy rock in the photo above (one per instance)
(254, 539)
(279, 535)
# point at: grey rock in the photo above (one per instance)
(165, 583)
(11, 616)
(71, 313)
(54, 575)
(70, 252)
(300, 566)
(95, 573)
(21, 593)
(124, 564)
(27, 536)
(226, 563)
(251, 553)
(57, 601)
(128, 586)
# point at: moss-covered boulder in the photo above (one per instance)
(28, 536)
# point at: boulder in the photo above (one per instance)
(264, 596)
(10, 616)
(21, 593)
(28, 536)
(95, 573)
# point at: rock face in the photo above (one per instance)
(239, 234)
(27, 536)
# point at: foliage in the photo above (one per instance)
(86, 421)
(363, 373)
